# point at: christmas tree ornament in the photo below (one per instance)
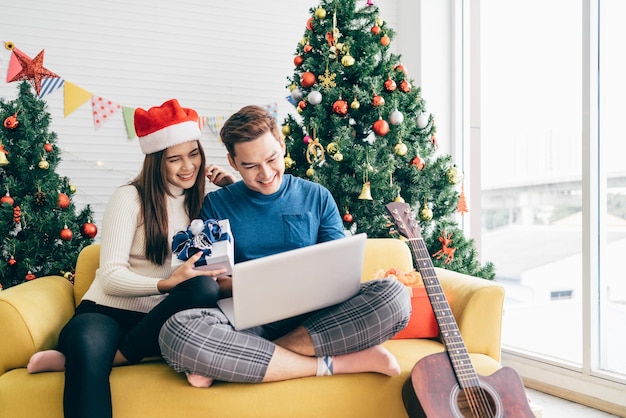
(7, 199)
(328, 79)
(11, 122)
(310, 172)
(17, 215)
(296, 94)
(332, 148)
(385, 40)
(30, 276)
(307, 48)
(88, 230)
(43, 164)
(446, 250)
(405, 86)
(32, 69)
(366, 193)
(40, 198)
(307, 139)
(396, 117)
(347, 217)
(400, 149)
(72, 189)
(398, 198)
(400, 67)
(389, 85)
(433, 140)
(4, 161)
(381, 127)
(289, 162)
(426, 213)
(309, 24)
(340, 107)
(315, 97)
(301, 105)
(418, 162)
(12, 261)
(320, 13)
(422, 120)
(461, 207)
(347, 60)
(375, 29)
(451, 175)
(48, 147)
(314, 152)
(355, 104)
(286, 130)
(378, 100)
(379, 21)
(63, 201)
(298, 60)
(338, 157)
(66, 234)
(307, 79)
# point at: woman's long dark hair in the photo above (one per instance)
(151, 183)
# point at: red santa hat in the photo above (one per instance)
(161, 127)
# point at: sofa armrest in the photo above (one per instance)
(477, 305)
(33, 314)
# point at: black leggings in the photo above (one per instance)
(91, 338)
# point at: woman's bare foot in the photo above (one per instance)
(46, 361)
(198, 381)
(374, 359)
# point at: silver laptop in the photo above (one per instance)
(294, 282)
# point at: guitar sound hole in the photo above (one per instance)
(476, 402)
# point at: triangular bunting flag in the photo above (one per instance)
(215, 124)
(103, 109)
(129, 120)
(14, 66)
(74, 97)
(48, 85)
(291, 100)
(201, 122)
(273, 109)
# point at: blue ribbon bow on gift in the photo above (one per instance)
(199, 236)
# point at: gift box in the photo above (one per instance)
(213, 238)
(422, 323)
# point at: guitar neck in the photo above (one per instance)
(450, 333)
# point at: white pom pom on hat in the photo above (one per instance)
(161, 127)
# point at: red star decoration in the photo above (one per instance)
(32, 69)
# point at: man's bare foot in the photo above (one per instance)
(198, 381)
(374, 359)
(46, 361)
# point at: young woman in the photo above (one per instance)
(135, 289)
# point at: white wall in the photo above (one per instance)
(212, 56)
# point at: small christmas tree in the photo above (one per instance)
(364, 132)
(42, 234)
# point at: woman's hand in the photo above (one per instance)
(185, 272)
(226, 286)
(218, 176)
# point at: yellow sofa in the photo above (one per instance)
(32, 315)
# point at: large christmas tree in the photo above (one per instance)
(42, 233)
(364, 132)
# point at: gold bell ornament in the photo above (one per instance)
(366, 193)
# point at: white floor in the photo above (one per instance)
(554, 407)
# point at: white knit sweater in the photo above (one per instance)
(126, 279)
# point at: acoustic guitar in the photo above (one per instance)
(445, 384)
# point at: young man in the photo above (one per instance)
(271, 212)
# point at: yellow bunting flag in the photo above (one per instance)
(74, 97)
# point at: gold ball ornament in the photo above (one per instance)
(426, 213)
(347, 60)
(320, 13)
(310, 172)
(338, 157)
(355, 104)
(286, 130)
(451, 175)
(332, 147)
(289, 162)
(72, 189)
(399, 199)
(400, 149)
(43, 164)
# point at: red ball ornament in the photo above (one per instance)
(47, 147)
(298, 60)
(30, 276)
(381, 127)
(66, 234)
(308, 48)
(302, 104)
(347, 217)
(63, 202)
(385, 40)
(307, 79)
(340, 107)
(405, 86)
(375, 29)
(7, 199)
(11, 122)
(12, 261)
(378, 100)
(390, 85)
(309, 23)
(89, 230)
